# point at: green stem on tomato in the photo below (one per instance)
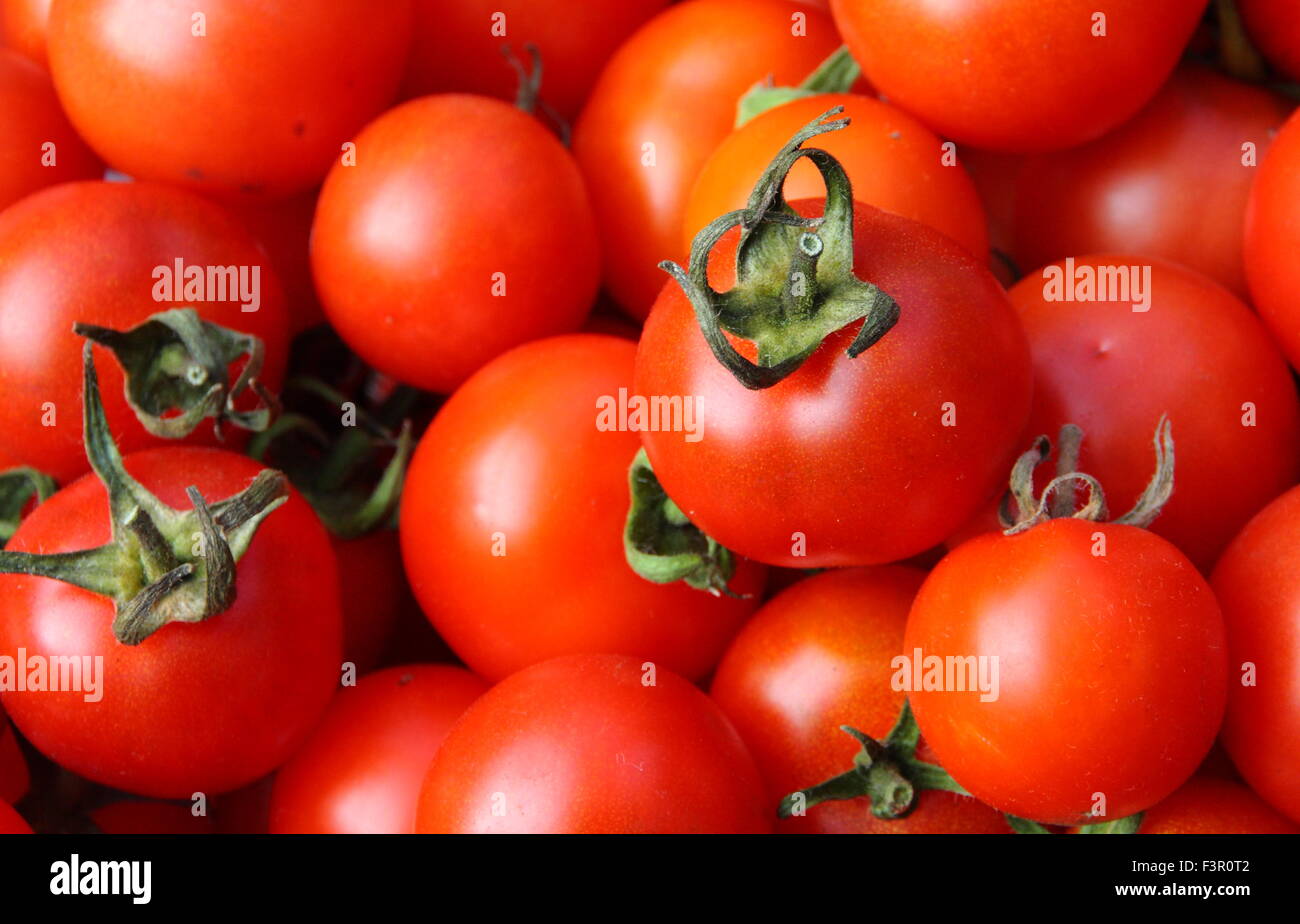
(837, 74)
(18, 488)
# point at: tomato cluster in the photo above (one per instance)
(636, 416)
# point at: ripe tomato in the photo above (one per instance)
(361, 769)
(283, 229)
(1111, 669)
(814, 658)
(893, 160)
(593, 744)
(23, 24)
(458, 45)
(202, 707)
(14, 777)
(665, 101)
(430, 256)
(1202, 358)
(11, 822)
(1018, 75)
(1258, 583)
(33, 122)
(374, 594)
(1275, 30)
(87, 252)
(512, 522)
(246, 810)
(1169, 183)
(856, 460)
(236, 98)
(1208, 806)
(146, 816)
(1273, 239)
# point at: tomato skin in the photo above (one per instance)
(360, 771)
(456, 50)
(14, 776)
(817, 657)
(259, 105)
(892, 160)
(283, 230)
(30, 113)
(410, 246)
(1016, 75)
(1112, 669)
(149, 817)
(1273, 239)
(1275, 30)
(675, 84)
(579, 745)
(23, 24)
(1199, 354)
(11, 822)
(515, 463)
(203, 707)
(374, 595)
(1209, 806)
(1258, 583)
(854, 453)
(86, 252)
(1169, 183)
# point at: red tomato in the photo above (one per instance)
(1210, 806)
(1273, 239)
(814, 658)
(512, 523)
(361, 769)
(284, 231)
(1275, 30)
(893, 160)
(236, 98)
(1169, 183)
(11, 822)
(665, 101)
(87, 252)
(1258, 583)
(23, 24)
(853, 455)
(149, 817)
(1111, 669)
(205, 707)
(458, 45)
(246, 810)
(38, 147)
(1198, 355)
(432, 254)
(593, 744)
(372, 586)
(1018, 75)
(14, 778)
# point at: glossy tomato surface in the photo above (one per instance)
(463, 230)
(816, 657)
(1258, 584)
(849, 461)
(1273, 239)
(1018, 75)
(23, 24)
(1111, 669)
(88, 252)
(1209, 806)
(239, 97)
(203, 707)
(512, 522)
(361, 769)
(593, 744)
(663, 103)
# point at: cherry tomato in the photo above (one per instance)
(235, 98)
(593, 744)
(894, 161)
(1273, 239)
(87, 252)
(814, 658)
(1275, 30)
(668, 98)
(512, 522)
(14, 777)
(458, 45)
(1111, 669)
(1172, 182)
(849, 461)
(1258, 583)
(23, 24)
(38, 147)
(149, 817)
(283, 229)
(1198, 355)
(1209, 806)
(463, 230)
(11, 822)
(1018, 75)
(361, 769)
(373, 589)
(203, 707)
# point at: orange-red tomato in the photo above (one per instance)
(1273, 239)
(283, 229)
(894, 162)
(664, 102)
(1208, 806)
(23, 24)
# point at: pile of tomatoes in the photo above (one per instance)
(864, 416)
